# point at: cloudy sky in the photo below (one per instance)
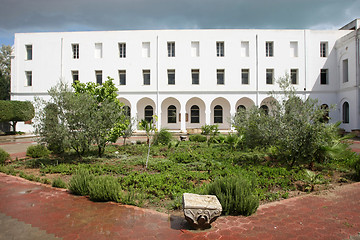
(79, 15)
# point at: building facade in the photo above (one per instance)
(189, 78)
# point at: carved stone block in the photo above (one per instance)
(201, 210)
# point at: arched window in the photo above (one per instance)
(346, 113)
(171, 114)
(195, 114)
(149, 112)
(241, 108)
(265, 109)
(325, 118)
(218, 114)
(127, 111)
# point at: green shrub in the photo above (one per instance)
(197, 138)
(79, 183)
(236, 194)
(356, 166)
(37, 151)
(163, 137)
(3, 156)
(105, 188)
(59, 183)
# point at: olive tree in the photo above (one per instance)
(16, 111)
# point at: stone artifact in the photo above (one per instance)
(201, 210)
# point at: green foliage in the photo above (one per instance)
(311, 179)
(105, 188)
(210, 130)
(122, 129)
(149, 128)
(59, 183)
(355, 164)
(79, 183)
(3, 156)
(16, 111)
(163, 137)
(197, 138)
(37, 151)
(236, 194)
(5, 66)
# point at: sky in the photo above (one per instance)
(88, 15)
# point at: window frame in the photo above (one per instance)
(296, 72)
(171, 114)
(195, 72)
(268, 71)
(171, 76)
(245, 72)
(75, 50)
(122, 77)
(269, 49)
(324, 51)
(28, 75)
(146, 77)
(147, 110)
(218, 114)
(73, 74)
(220, 49)
(194, 114)
(29, 52)
(97, 79)
(122, 49)
(346, 113)
(324, 75)
(171, 49)
(345, 70)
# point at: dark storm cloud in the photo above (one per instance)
(65, 15)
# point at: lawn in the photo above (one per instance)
(182, 167)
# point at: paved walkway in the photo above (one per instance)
(332, 216)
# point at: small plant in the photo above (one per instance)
(37, 151)
(236, 194)
(163, 137)
(79, 183)
(59, 183)
(197, 138)
(311, 179)
(3, 156)
(105, 188)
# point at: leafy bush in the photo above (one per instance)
(163, 137)
(79, 183)
(3, 156)
(210, 129)
(59, 183)
(197, 138)
(236, 194)
(37, 151)
(105, 188)
(356, 166)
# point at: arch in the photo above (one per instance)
(265, 108)
(325, 118)
(170, 113)
(241, 108)
(215, 113)
(345, 112)
(200, 118)
(141, 104)
(218, 114)
(270, 103)
(245, 102)
(126, 107)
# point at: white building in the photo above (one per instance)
(189, 78)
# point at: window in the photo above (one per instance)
(122, 77)
(265, 109)
(324, 75)
(293, 49)
(122, 50)
(98, 50)
(326, 117)
(127, 111)
(195, 49)
(195, 114)
(28, 52)
(146, 77)
(75, 76)
(345, 71)
(98, 75)
(195, 73)
(244, 49)
(241, 108)
(323, 49)
(171, 76)
(149, 112)
(269, 76)
(294, 76)
(171, 49)
(28, 78)
(171, 114)
(146, 49)
(245, 76)
(269, 49)
(218, 114)
(220, 51)
(75, 50)
(220, 75)
(346, 113)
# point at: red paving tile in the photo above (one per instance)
(333, 216)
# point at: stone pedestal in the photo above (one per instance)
(201, 210)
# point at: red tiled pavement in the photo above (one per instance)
(332, 216)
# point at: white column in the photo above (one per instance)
(232, 114)
(183, 118)
(133, 115)
(207, 113)
(158, 124)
